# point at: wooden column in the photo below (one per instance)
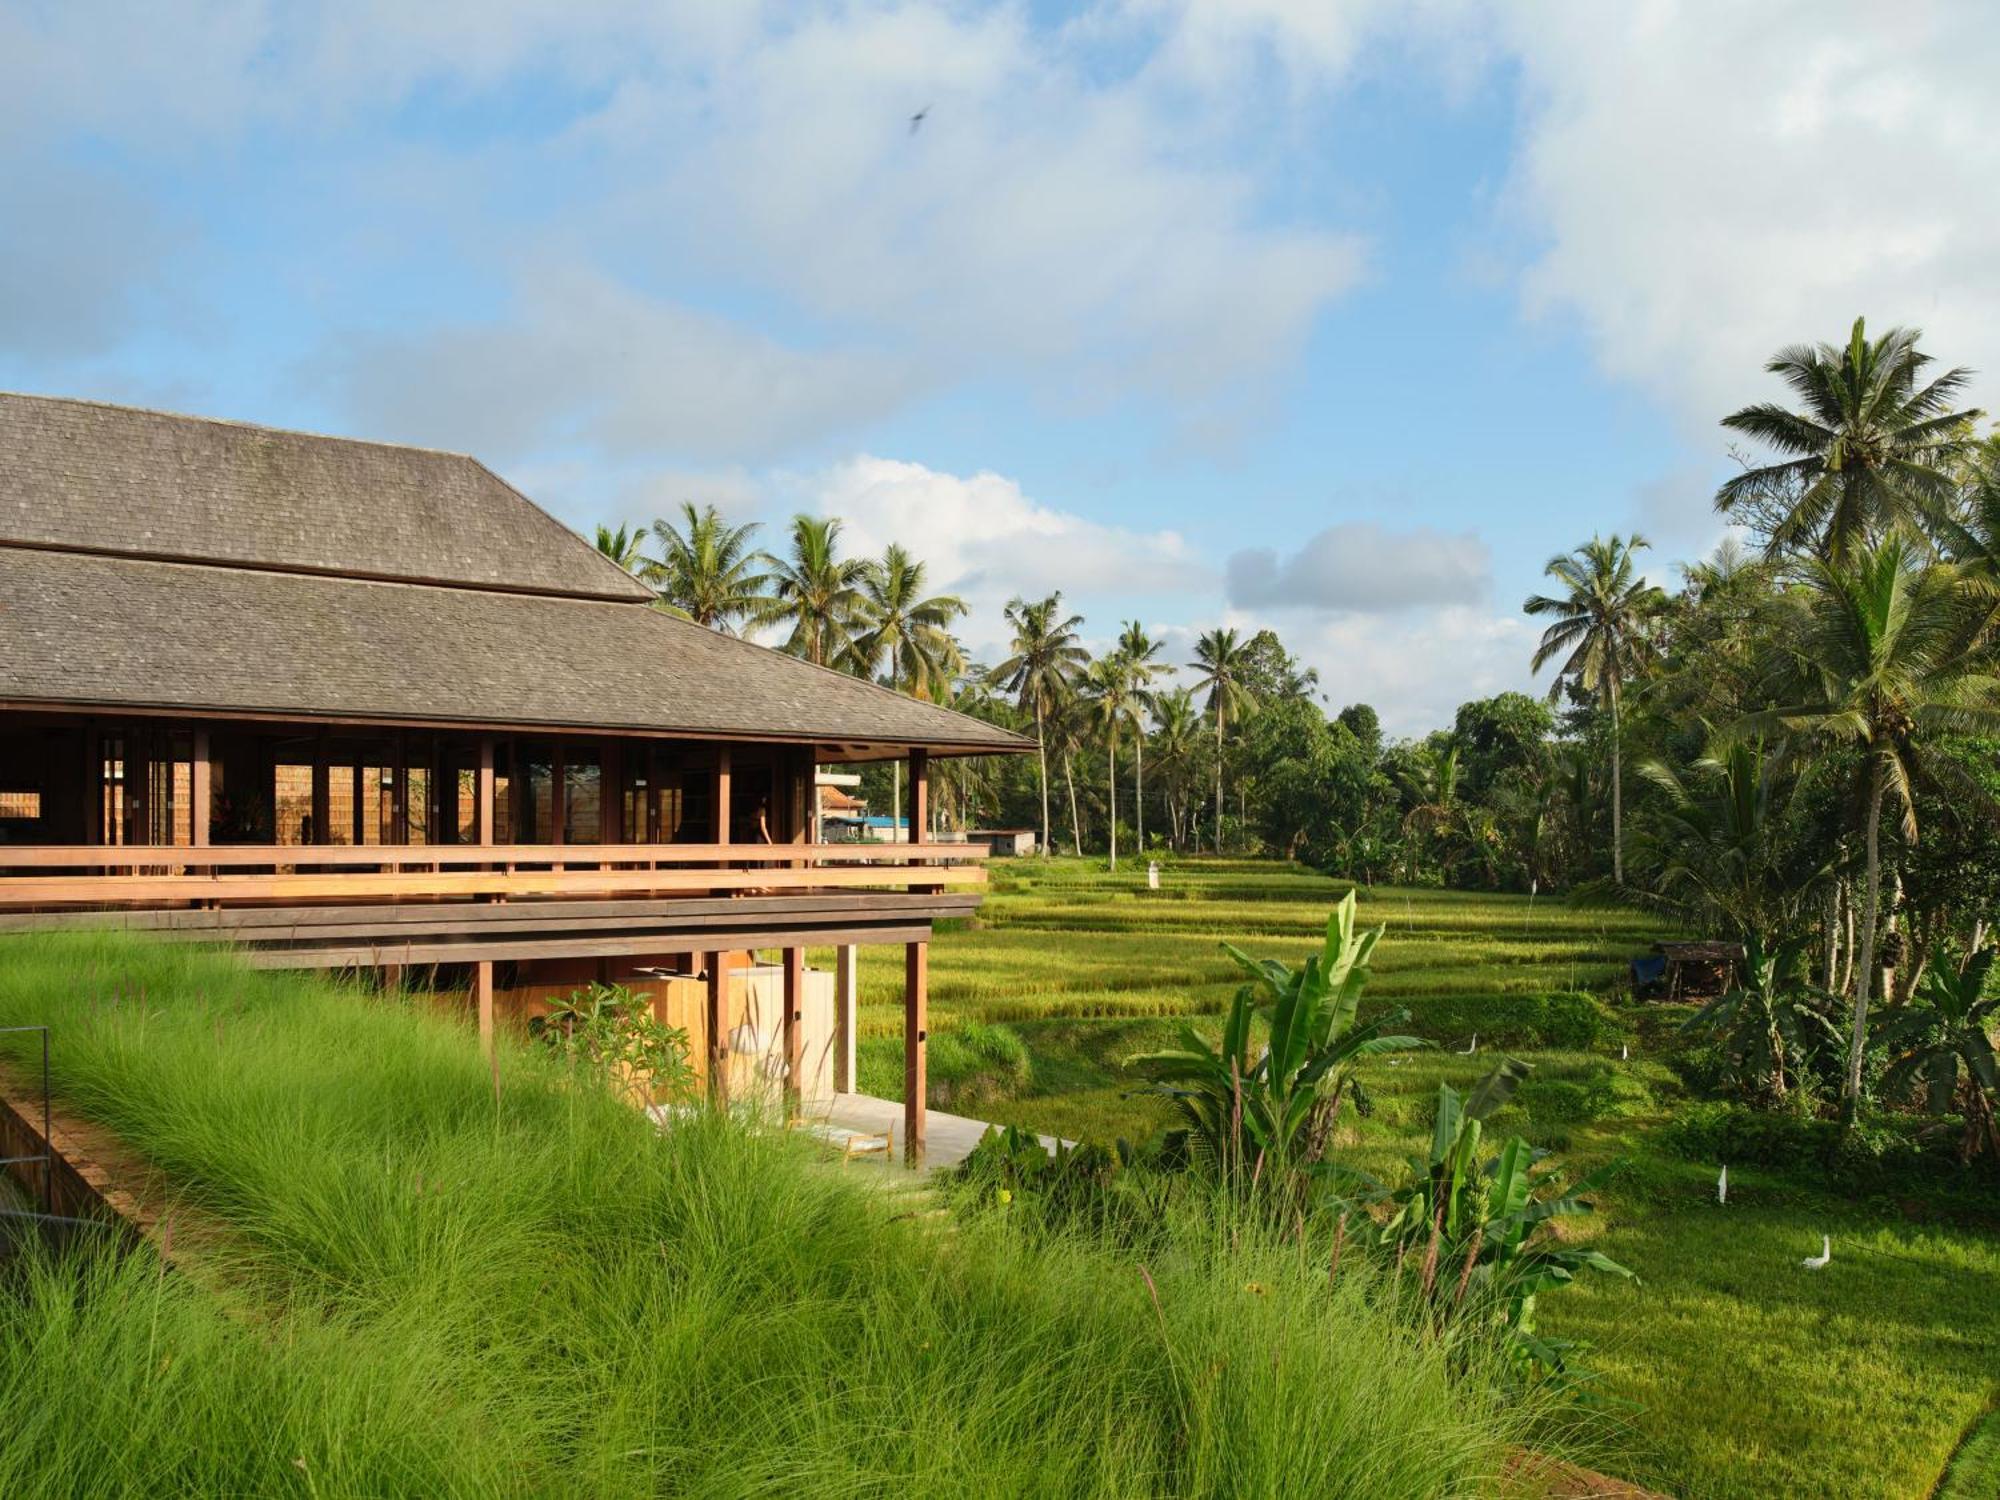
(558, 792)
(199, 791)
(916, 1024)
(483, 818)
(920, 796)
(359, 812)
(794, 1028)
(721, 795)
(482, 999)
(846, 995)
(717, 1021)
(322, 793)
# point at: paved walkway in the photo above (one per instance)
(948, 1139)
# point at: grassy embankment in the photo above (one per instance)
(1749, 1376)
(431, 1291)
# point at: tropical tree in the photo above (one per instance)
(1266, 1115)
(707, 569)
(815, 593)
(905, 635)
(1885, 652)
(622, 547)
(1141, 654)
(1177, 747)
(1044, 662)
(1770, 1022)
(1717, 846)
(1110, 699)
(1945, 1033)
(1602, 632)
(1222, 659)
(1871, 451)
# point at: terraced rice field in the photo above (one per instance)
(1727, 1371)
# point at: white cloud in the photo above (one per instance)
(1051, 216)
(583, 360)
(1364, 567)
(1415, 668)
(79, 248)
(982, 538)
(1716, 181)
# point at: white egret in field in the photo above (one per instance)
(1818, 1262)
(1624, 1052)
(1471, 1046)
(1722, 1185)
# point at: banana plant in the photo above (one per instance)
(1771, 1022)
(1945, 1034)
(1265, 1115)
(1478, 1226)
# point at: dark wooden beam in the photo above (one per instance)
(916, 1032)
(794, 1026)
(716, 1018)
(920, 796)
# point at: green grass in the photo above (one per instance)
(1734, 1372)
(433, 1291)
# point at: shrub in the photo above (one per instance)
(612, 1033)
(1876, 1154)
(1552, 1020)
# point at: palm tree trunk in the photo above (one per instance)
(1865, 960)
(1218, 778)
(1617, 798)
(1075, 823)
(1139, 789)
(896, 800)
(1111, 755)
(1042, 749)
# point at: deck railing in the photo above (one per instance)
(156, 875)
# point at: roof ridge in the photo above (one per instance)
(240, 422)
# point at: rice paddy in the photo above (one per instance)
(1730, 1371)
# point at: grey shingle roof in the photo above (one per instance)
(77, 474)
(113, 632)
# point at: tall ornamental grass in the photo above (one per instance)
(410, 1286)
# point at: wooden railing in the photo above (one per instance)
(150, 875)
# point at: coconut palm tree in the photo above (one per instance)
(1871, 452)
(707, 569)
(1886, 650)
(1177, 742)
(1141, 653)
(816, 594)
(1110, 698)
(622, 547)
(1603, 632)
(1221, 658)
(1045, 661)
(906, 635)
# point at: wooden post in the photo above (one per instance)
(920, 795)
(717, 1020)
(794, 1028)
(721, 795)
(846, 993)
(359, 811)
(558, 793)
(916, 1023)
(483, 818)
(199, 797)
(322, 793)
(482, 998)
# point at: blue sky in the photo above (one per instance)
(1336, 317)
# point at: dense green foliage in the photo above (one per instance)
(1747, 1376)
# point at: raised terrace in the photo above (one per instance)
(349, 705)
